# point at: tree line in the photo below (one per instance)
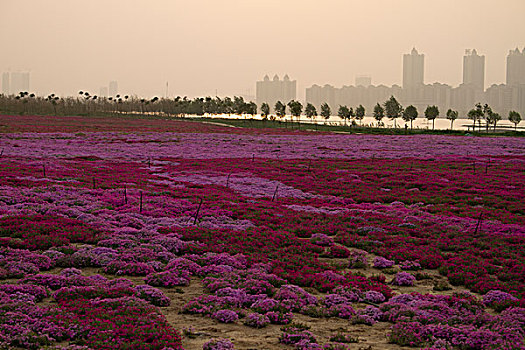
(393, 110)
(87, 104)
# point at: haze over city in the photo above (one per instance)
(206, 47)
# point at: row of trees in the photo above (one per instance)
(491, 118)
(296, 109)
(87, 104)
(393, 110)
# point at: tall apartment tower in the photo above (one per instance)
(516, 67)
(474, 70)
(19, 82)
(413, 69)
(113, 88)
(271, 91)
(5, 83)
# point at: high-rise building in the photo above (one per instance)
(516, 67)
(363, 80)
(113, 88)
(103, 92)
(5, 83)
(474, 70)
(413, 69)
(19, 82)
(271, 91)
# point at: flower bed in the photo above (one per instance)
(270, 225)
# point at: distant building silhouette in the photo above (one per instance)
(413, 69)
(464, 97)
(363, 80)
(511, 96)
(5, 83)
(103, 92)
(516, 67)
(502, 98)
(474, 70)
(271, 91)
(350, 96)
(113, 88)
(19, 82)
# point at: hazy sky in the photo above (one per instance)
(200, 46)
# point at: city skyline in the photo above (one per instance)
(205, 46)
(501, 97)
(473, 72)
(414, 91)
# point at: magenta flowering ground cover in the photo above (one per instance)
(268, 146)
(127, 237)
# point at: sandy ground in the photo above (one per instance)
(370, 337)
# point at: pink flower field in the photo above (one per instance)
(151, 234)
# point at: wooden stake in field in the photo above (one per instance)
(140, 208)
(93, 182)
(228, 180)
(478, 225)
(275, 193)
(197, 213)
(125, 195)
(2, 153)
